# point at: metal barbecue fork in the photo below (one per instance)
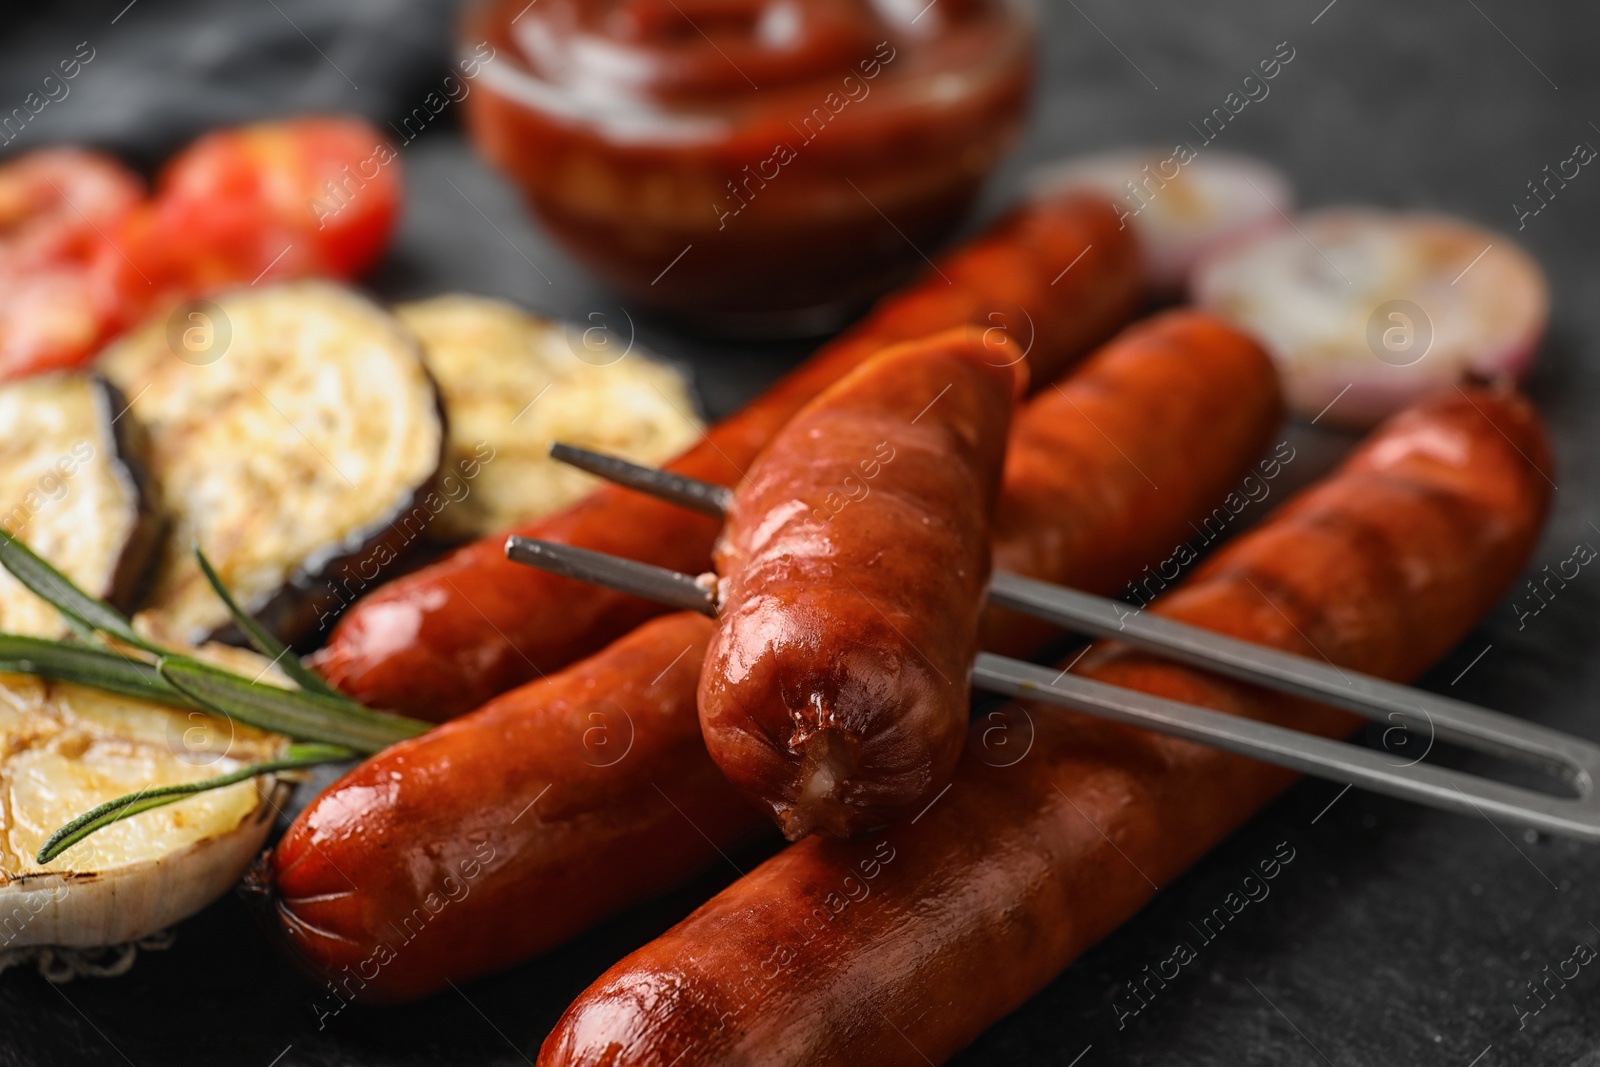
(1573, 760)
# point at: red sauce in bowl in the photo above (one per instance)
(751, 165)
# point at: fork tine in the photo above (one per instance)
(1339, 761)
(704, 497)
(1381, 701)
(682, 591)
(1574, 760)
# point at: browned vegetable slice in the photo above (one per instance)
(294, 435)
(513, 382)
(71, 486)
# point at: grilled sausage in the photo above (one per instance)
(630, 825)
(473, 846)
(444, 639)
(853, 569)
(900, 948)
(1108, 470)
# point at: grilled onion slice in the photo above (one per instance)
(293, 433)
(71, 486)
(65, 749)
(512, 383)
(1364, 311)
(1182, 206)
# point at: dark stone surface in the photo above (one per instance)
(1396, 935)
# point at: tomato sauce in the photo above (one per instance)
(751, 165)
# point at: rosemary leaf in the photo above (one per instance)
(84, 633)
(296, 758)
(101, 668)
(299, 714)
(263, 641)
(59, 590)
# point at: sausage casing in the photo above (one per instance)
(1113, 467)
(901, 947)
(444, 639)
(559, 866)
(853, 570)
(503, 833)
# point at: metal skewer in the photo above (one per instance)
(704, 497)
(1574, 761)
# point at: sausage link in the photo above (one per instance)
(1106, 471)
(444, 639)
(473, 846)
(900, 948)
(853, 569)
(568, 860)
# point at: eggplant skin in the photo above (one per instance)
(295, 451)
(74, 486)
(513, 383)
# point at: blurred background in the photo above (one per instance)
(1398, 935)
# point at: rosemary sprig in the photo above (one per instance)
(263, 641)
(328, 726)
(298, 757)
(99, 667)
(81, 610)
(301, 715)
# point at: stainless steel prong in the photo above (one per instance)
(676, 590)
(1455, 721)
(1573, 760)
(1339, 761)
(691, 493)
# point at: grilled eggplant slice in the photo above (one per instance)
(72, 487)
(513, 382)
(294, 435)
(65, 749)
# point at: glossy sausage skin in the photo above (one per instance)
(443, 640)
(901, 947)
(561, 868)
(852, 571)
(1111, 468)
(474, 846)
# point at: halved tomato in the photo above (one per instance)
(60, 204)
(84, 255)
(307, 196)
(61, 210)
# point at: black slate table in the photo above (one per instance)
(1395, 934)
